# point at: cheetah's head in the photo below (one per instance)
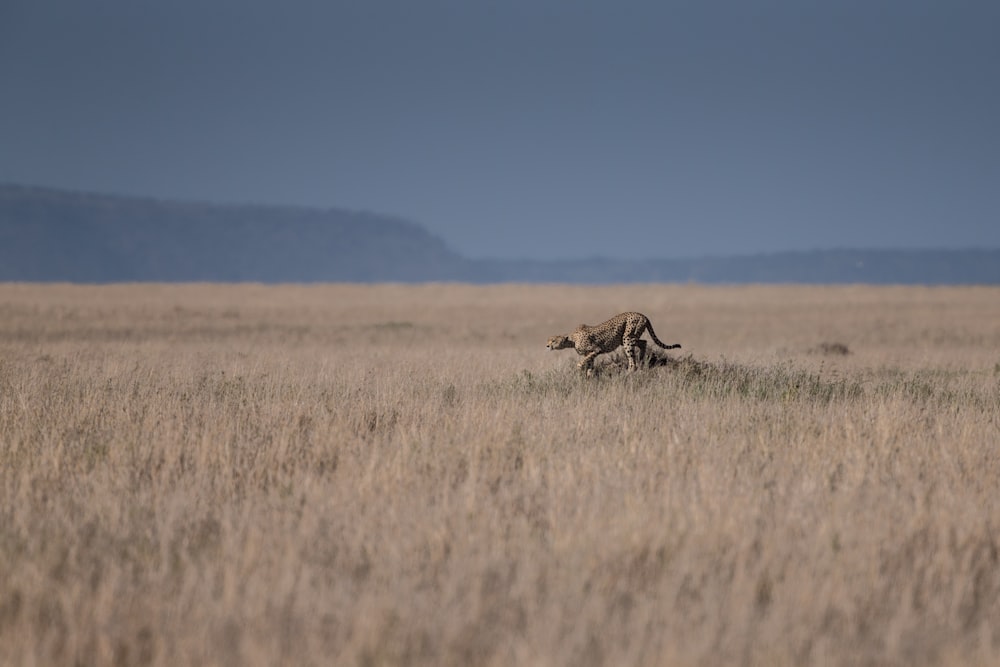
(559, 343)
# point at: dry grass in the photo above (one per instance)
(382, 475)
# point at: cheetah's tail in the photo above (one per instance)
(652, 334)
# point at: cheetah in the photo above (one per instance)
(620, 331)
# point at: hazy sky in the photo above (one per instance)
(528, 128)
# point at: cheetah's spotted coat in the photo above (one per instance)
(620, 331)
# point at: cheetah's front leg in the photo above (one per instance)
(588, 362)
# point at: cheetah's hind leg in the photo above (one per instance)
(631, 347)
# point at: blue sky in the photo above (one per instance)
(529, 128)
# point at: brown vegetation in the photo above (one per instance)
(381, 475)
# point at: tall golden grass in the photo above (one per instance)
(404, 475)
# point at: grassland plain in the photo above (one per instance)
(404, 475)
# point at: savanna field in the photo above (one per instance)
(404, 475)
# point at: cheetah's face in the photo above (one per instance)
(559, 343)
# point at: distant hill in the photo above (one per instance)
(53, 235)
(885, 267)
